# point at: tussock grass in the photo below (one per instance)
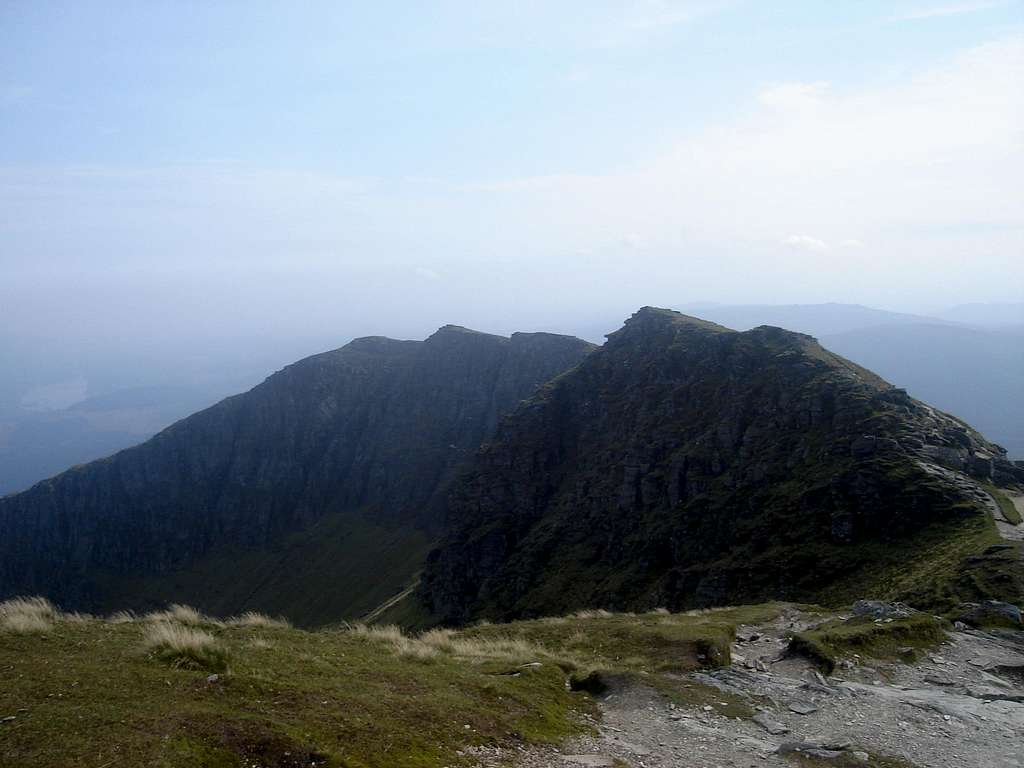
(27, 615)
(183, 614)
(254, 619)
(434, 642)
(260, 644)
(122, 617)
(185, 647)
(598, 613)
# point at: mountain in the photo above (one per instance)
(316, 494)
(975, 372)
(684, 464)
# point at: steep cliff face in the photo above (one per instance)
(353, 444)
(684, 464)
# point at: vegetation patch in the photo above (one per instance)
(1006, 505)
(897, 639)
(185, 647)
(27, 615)
(348, 698)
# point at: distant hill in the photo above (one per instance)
(37, 445)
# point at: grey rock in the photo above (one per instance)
(989, 612)
(802, 707)
(882, 610)
(773, 727)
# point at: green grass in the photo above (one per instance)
(1006, 505)
(649, 642)
(827, 643)
(91, 693)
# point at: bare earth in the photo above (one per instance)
(962, 705)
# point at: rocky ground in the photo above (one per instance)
(962, 704)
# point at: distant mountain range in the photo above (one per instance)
(681, 464)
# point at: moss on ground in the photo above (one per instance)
(1006, 505)
(899, 639)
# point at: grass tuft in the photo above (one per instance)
(183, 614)
(185, 647)
(27, 615)
(254, 619)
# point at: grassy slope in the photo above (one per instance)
(89, 693)
(341, 568)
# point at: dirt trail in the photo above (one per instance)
(962, 705)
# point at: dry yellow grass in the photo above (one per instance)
(182, 614)
(254, 619)
(26, 615)
(182, 646)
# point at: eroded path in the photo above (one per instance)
(961, 705)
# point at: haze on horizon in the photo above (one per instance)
(182, 184)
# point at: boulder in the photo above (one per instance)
(878, 609)
(989, 613)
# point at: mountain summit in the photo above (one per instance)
(684, 464)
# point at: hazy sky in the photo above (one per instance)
(197, 172)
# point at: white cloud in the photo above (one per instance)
(807, 243)
(851, 243)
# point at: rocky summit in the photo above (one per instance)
(684, 464)
(316, 495)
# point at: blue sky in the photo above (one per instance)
(446, 90)
(172, 170)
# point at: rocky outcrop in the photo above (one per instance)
(373, 430)
(684, 464)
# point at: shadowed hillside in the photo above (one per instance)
(314, 495)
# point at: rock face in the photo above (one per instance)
(372, 431)
(684, 464)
